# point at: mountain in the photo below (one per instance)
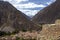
(12, 19)
(49, 14)
(50, 18)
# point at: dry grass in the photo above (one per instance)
(49, 32)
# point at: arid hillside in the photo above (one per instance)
(49, 18)
(12, 19)
(49, 14)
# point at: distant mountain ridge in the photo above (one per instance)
(49, 14)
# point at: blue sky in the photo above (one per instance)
(30, 7)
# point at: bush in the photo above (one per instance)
(24, 30)
(15, 32)
(2, 33)
(17, 38)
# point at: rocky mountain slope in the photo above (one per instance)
(49, 14)
(12, 19)
(49, 17)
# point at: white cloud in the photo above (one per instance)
(29, 12)
(20, 0)
(29, 5)
(8, 0)
(50, 2)
(15, 1)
